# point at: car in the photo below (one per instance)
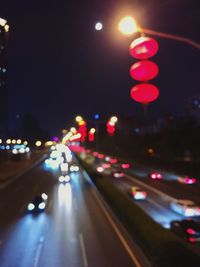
(138, 193)
(74, 168)
(187, 229)
(155, 175)
(185, 207)
(118, 174)
(64, 179)
(187, 180)
(64, 167)
(38, 204)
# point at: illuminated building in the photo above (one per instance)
(4, 28)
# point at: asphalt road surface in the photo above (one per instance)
(73, 231)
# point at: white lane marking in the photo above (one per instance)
(117, 231)
(158, 192)
(83, 251)
(38, 252)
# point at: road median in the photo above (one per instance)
(161, 246)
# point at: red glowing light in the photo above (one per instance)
(95, 153)
(144, 47)
(110, 128)
(144, 93)
(125, 166)
(144, 70)
(190, 231)
(106, 165)
(190, 180)
(91, 137)
(113, 160)
(191, 239)
(101, 156)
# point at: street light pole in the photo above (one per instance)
(172, 37)
(128, 26)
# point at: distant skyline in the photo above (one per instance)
(59, 66)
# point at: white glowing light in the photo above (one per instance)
(3, 22)
(98, 26)
(27, 149)
(22, 150)
(44, 196)
(14, 151)
(128, 25)
(31, 206)
(41, 206)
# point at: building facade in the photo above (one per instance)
(4, 29)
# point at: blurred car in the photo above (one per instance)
(64, 179)
(187, 229)
(137, 193)
(74, 168)
(38, 203)
(64, 167)
(185, 207)
(118, 174)
(155, 175)
(187, 180)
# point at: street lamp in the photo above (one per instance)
(128, 26)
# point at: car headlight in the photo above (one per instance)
(67, 178)
(61, 179)
(41, 206)
(31, 206)
(44, 196)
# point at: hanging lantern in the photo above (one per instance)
(144, 93)
(143, 47)
(144, 70)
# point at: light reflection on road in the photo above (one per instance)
(23, 238)
(65, 195)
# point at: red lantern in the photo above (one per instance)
(144, 93)
(144, 70)
(143, 47)
(91, 137)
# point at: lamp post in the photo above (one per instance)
(128, 26)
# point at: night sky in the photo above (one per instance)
(59, 66)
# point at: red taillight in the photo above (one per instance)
(153, 176)
(190, 180)
(113, 160)
(191, 240)
(125, 166)
(190, 231)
